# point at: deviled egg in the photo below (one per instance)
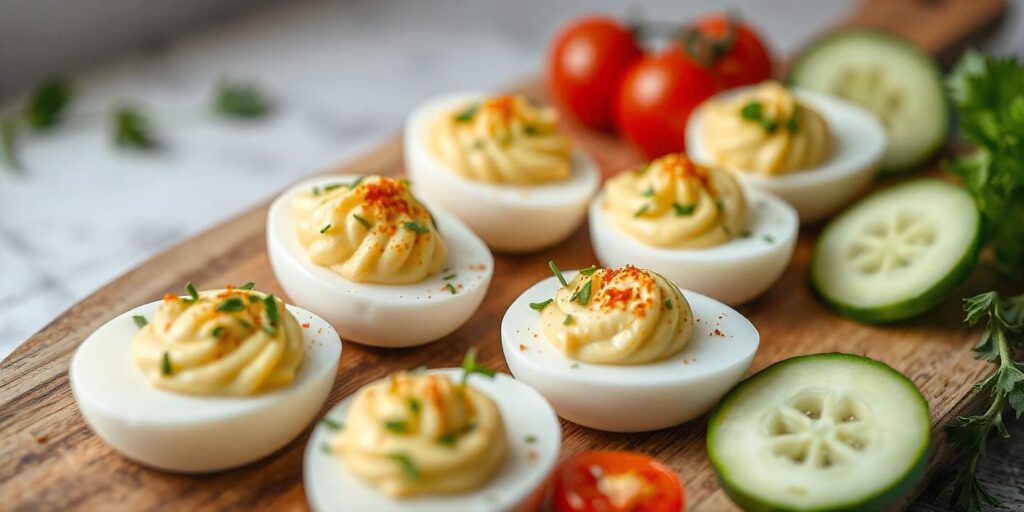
(501, 165)
(696, 226)
(366, 255)
(816, 151)
(624, 349)
(434, 440)
(178, 384)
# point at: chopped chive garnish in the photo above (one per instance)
(469, 367)
(416, 226)
(333, 186)
(449, 276)
(451, 288)
(649, 192)
(769, 239)
(247, 286)
(404, 181)
(396, 426)
(530, 438)
(357, 182)
(140, 321)
(244, 323)
(165, 365)
(362, 220)
(769, 126)
(448, 439)
(331, 424)
(539, 306)
(324, 229)
(568, 320)
(217, 332)
(557, 273)
(668, 303)
(752, 111)
(719, 205)
(433, 222)
(793, 123)
(273, 316)
(584, 294)
(745, 233)
(589, 271)
(253, 298)
(316, 191)
(642, 210)
(231, 305)
(408, 466)
(193, 295)
(682, 210)
(467, 113)
(414, 405)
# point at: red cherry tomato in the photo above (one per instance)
(607, 481)
(656, 99)
(730, 49)
(586, 63)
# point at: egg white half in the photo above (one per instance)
(192, 433)
(734, 272)
(631, 398)
(859, 142)
(510, 218)
(382, 315)
(534, 437)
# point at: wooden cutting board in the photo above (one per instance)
(49, 459)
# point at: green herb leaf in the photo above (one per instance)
(568, 320)
(451, 288)
(752, 111)
(557, 273)
(165, 365)
(47, 104)
(140, 321)
(272, 314)
(769, 239)
(414, 405)
(467, 114)
(396, 426)
(642, 210)
(231, 305)
(331, 424)
(416, 226)
(217, 332)
(649, 192)
(589, 271)
(668, 303)
(247, 286)
(324, 229)
(408, 466)
(530, 438)
(240, 101)
(193, 295)
(448, 439)
(682, 210)
(9, 143)
(333, 186)
(358, 181)
(470, 366)
(132, 129)
(539, 306)
(362, 220)
(584, 295)
(793, 123)
(449, 276)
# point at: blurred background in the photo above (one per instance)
(341, 76)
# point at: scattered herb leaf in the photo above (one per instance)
(530, 438)
(568, 320)
(557, 273)
(165, 365)
(240, 101)
(449, 276)
(331, 424)
(247, 286)
(324, 229)
(466, 114)
(217, 332)
(132, 129)
(140, 321)
(48, 103)
(408, 466)
(539, 306)
(469, 367)
(752, 111)
(193, 295)
(584, 297)
(450, 288)
(231, 305)
(416, 227)
(683, 210)
(589, 271)
(668, 303)
(396, 426)
(642, 210)
(362, 220)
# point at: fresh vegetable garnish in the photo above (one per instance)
(140, 321)
(165, 365)
(648, 192)
(193, 295)
(589, 271)
(610, 481)
(332, 186)
(408, 466)
(539, 306)
(324, 229)
(988, 92)
(466, 114)
(240, 101)
(668, 303)
(273, 315)
(247, 286)
(1004, 333)
(683, 210)
(416, 226)
(362, 220)
(584, 293)
(568, 320)
(132, 129)
(557, 273)
(331, 424)
(356, 183)
(449, 276)
(642, 210)
(470, 366)
(396, 426)
(231, 305)
(414, 405)
(530, 439)
(450, 288)
(217, 332)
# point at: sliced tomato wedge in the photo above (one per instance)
(609, 481)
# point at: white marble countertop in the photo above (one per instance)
(343, 75)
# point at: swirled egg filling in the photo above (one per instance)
(765, 131)
(220, 342)
(673, 202)
(618, 316)
(411, 434)
(502, 140)
(371, 230)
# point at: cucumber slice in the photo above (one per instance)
(888, 76)
(897, 252)
(820, 432)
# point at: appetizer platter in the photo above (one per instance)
(507, 310)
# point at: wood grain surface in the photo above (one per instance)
(49, 460)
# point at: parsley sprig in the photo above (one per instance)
(470, 366)
(1004, 333)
